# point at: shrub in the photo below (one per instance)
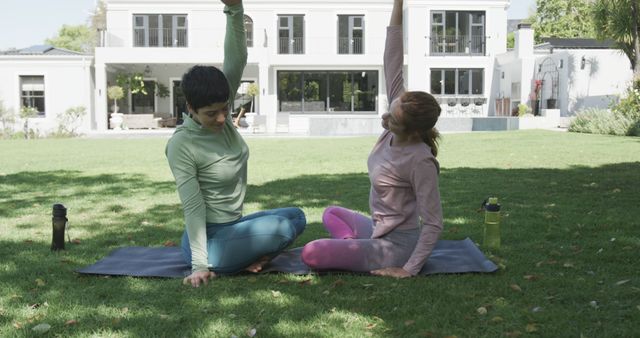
(601, 121)
(7, 119)
(523, 110)
(69, 121)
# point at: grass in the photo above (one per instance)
(569, 259)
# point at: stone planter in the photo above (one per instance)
(115, 122)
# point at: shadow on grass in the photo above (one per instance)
(544, 208)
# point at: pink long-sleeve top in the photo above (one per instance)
(404, 180)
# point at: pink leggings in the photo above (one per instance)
(351, 247)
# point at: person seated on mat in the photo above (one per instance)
(404, 198)
(208, 159)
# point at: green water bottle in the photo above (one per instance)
(492, 223)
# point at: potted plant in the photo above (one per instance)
(252, 90)
(115, 93)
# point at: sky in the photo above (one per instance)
(24, 23)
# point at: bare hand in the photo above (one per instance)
(231, 2)
(198, 277)
(392, 272)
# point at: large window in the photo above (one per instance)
(327, 91)
(457, 32)
(144, 103)
(291, 34)
(248, 27)
(457, 81)
(350, 34)
(160, 30)
(32, 92)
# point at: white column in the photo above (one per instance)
(101, 114)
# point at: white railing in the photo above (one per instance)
(350, 46)
(291, 46)
(159, 37)
(458, 45)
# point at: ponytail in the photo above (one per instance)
(431, 137)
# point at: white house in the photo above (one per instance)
(317, 64)
(572, 74)
(49, 79)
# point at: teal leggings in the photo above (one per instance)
(234, 246)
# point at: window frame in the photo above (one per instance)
(23, 96)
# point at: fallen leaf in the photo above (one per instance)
(17, 325)
(326, 292)
(41, 328)
(338, 282)
(497, 319)
(568, 265)
(531, 277)
(593, 304)
(40, 282)
(536, 309)
(71, 322)
(618, 283)
(481, 310)
(515, 287)
(169, 243)
(366, 285)
(276, 294)
(145, 223)
(75, 241)
(530, 328)
(125, 310)
(371, 326)
(409, 322)
(252, 332)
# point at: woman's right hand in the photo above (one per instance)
(198, 277)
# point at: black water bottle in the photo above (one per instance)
(59, 221)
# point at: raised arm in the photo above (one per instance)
(394, 54)
(235, 45)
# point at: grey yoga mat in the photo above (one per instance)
(447, 257)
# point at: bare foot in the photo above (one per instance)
(258, 265)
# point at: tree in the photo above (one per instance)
(563, 19)
(619, 20)
(115, 93)
(78, 38)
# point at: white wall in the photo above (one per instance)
(67, 84)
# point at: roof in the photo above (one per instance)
(566, 43)
(41, 50)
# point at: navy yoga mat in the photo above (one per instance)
(447, 257)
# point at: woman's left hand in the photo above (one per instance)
(392, 272)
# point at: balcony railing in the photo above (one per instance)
(458, 45)
(350, 46)
(160, 37)
(291, 46)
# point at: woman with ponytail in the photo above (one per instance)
(404, 199)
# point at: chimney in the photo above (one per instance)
(524, 40)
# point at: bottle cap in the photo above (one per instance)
(492, 204)
(59, 210)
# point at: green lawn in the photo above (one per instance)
(569, 259)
